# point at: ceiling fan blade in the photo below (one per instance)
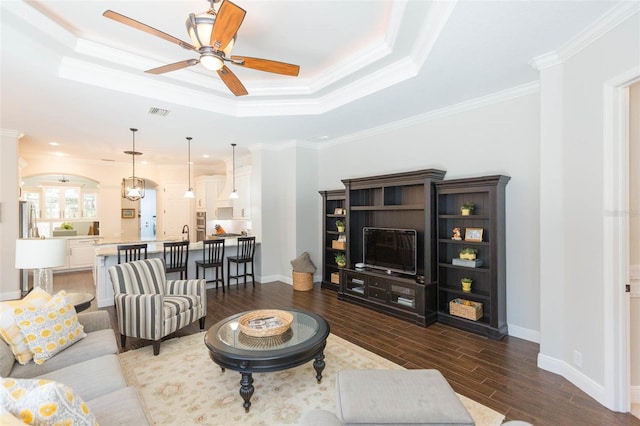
(266, 65)
(173, 67)
(146, 28)
(232, 81)
(228, 20)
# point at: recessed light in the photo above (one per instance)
(54, 144)
(205, 156)
(59, 154)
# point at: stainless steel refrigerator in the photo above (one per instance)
(27, 223)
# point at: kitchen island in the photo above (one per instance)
(107, 256)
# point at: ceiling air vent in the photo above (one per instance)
(158, 111)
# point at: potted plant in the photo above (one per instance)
(466, 284)
(341, 260)
(340, 225)
(468, 253)
(466, 209)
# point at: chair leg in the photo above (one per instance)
(253, 278)
(156, 347)
(202, 320)
(123, 340)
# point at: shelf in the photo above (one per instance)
(459, 216)
(336, 215)
(463, 268)
(483, 295)
(473, 243)
(390, 207)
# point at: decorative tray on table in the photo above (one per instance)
(265, 322)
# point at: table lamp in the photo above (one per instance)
(41, 254)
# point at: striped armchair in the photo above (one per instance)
(149, 306)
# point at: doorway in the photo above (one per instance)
(148, 216)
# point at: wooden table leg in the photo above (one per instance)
(246, 390)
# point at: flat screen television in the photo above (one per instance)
(390, 249)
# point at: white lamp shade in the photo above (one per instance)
(41, 253)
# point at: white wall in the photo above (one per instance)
(290, 207)
(9, 284)
(573, 208)
(498, 138)
(634, 228)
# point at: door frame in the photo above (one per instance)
(616, 240)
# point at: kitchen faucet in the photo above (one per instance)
(185, 231)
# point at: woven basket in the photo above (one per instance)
(284, 319)
(473, 311)
(302, 281)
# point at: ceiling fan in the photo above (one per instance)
(213, 34)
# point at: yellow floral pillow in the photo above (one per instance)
(10, 331)
(50, 328)
(44, 402)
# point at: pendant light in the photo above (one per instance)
(189, 193)
(133, 187)
(234, 193)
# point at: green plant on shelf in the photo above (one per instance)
(340, 224)
(468, 253)
(341, 260)
(467, 208)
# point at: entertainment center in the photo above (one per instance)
(400, 243)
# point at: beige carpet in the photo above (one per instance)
(182, 386)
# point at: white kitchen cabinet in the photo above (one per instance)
(207, 190)
(242, 204)
(81, 253)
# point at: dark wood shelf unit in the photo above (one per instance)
(401, 200)
(395, 295)
(331, 200)
(489, 280)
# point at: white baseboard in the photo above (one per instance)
(586, 384)
(524, 333)
(635, 394)
(11, 295)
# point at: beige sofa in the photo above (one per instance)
(91, 368)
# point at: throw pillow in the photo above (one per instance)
(50, 328)
(44, 402)
(303, 263)
(10, 331)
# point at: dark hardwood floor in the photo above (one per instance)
(501, 375)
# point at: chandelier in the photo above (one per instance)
(133, 187)
(189, 193)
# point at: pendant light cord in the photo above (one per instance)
(189, 176)
(234, 166)
(133, 155)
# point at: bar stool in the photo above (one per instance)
(246, 250)
(176, 256)
(132, 252)
(212, 257)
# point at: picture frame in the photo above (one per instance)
(128, 213)
(338, 210)
(473, 234)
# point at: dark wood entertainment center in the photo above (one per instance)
(423, 201)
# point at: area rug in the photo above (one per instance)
(182, 386)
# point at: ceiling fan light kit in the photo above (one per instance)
(213, 35)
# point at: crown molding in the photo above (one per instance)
(589, 35)
(494, 98)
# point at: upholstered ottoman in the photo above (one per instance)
(417, 397)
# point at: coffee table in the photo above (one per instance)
(80, 301)
(231, 348)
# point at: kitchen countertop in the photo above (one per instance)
(110, 249)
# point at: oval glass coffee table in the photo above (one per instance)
(230, 348)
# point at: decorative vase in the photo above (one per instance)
(469, 256)
(340, 228)
(341, 264)
(465, 212)
(466, 287)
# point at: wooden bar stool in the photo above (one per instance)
(132, 252)
(212, 257)
(176, 256)
(244, 257)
